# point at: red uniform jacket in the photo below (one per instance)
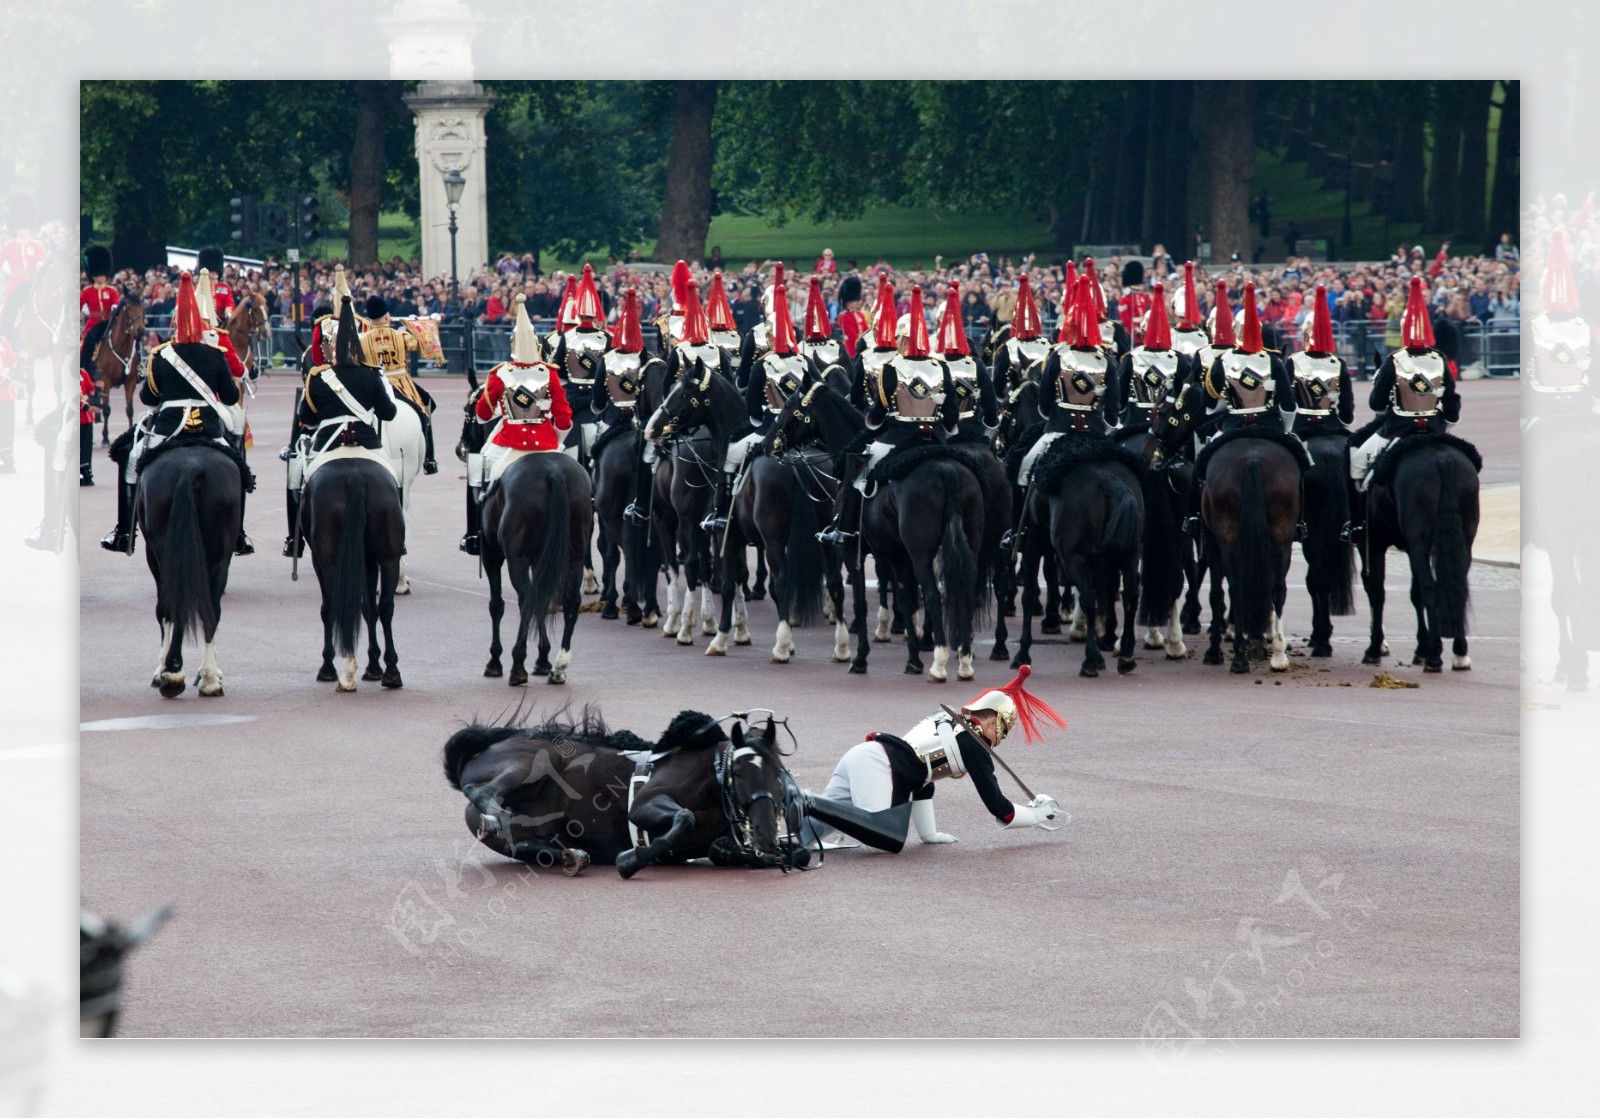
(97, 301)
(224, 297)
(225, 344)
(85, 391)
(1135, 305)
(852, 324)
(8, 358)
(542, 436)
(19, 260)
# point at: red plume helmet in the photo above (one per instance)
(1222, 332)
(1085, 325)
(1067, 302)
(817, 324)
(782, 321)
(1030, 709)
(1416, 329)
(1095, 290)
(952, 336)
(695, 330)
(917, 342)
(1250, 331)
(1025, 321)
(586, 303)
(682, 281)
(626, 336)
(568, 295)
(1558, 293)
(884, 316)
(186, 325)
(1157, 331)
(1191, 299)
(719, 314)
(1321, 324)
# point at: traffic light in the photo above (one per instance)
(310, 219)
(245, 219)
(275, 219)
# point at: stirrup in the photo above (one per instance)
(118, 540)
(291, 551)
(1353, 532)
(1191, 525)
(429, 466)
(1012, 537)
(471, 544)
(835, 535)
(245, 546)
(714, 523)
(634, 515)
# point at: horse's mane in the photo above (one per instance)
(691, 730)
(588, 728)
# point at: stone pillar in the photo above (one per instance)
(431, 40)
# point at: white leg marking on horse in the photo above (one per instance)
(558, 667)
(210, 672)
(741, 620)
(708, 610)
(347, 674)
(591, 585)
(1176, 649)
(402, 585)
(827, 609)
(964, 669)
(161, 653)
(718, 646)
(1460, 662)
(841, 642)
(783, 646)
(669, 624)
(1153, 638)
(1280, 655)
(939, 672)
(691, 616)
(881, 634)
(1080, 625)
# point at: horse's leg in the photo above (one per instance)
(841, 631)
(1424, 599)
(727, 578)
(541, 622)
(1004, 579)
(402, 583)
(369, 609)
(522, 582)
(692, 576)
(858, 605)
(1130, 612)
(759, 590)
(1372, 579)
(669, 620)
(388, 583)
(571, 607)
(326, 673)
(662, 818)
(1219, 622)
(610, 560)
(933, 619)
(497, 606)
(905, 609)
(1030, 601)
(1280, 596)
(210, 679)
(887, 625)
(1050, 612)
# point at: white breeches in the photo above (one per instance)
(876, 453)
(739, 451)
(1362, 458)
(862, 777)
(1025, 471)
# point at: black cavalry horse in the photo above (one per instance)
(1423, 499)
(187, 504)
(537, 518)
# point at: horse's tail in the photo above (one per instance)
(466, 744)
(1452, 556)
(802, 556)
(185, 585)
(1161, 559)
(959, 564)
(350, 569)
(1330, 562)
(549, 571)
(1251, 563)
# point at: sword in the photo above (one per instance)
(972, 728)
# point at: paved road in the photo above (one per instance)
(1294, 856)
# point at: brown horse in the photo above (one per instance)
(113, 354)
(247, 322)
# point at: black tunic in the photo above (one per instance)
(365, 384)
(909, 773)
(1392, 426)
(163, 384)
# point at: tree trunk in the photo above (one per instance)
(1506, 200)
(1474, 163)
(1226, 115)
(1157, 126)
(374, 102)
(1410, 171)
(1128, 193)
(686, 209)
(1444, 175)
(1175, 225)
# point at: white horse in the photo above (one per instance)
(405, 446)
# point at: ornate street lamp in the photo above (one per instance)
(454, 180)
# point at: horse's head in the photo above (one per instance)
(760, 796)
(687, 403)
(1176, 418)
(131, 313)
(1021, 411)
(796, 423)
(249, 316)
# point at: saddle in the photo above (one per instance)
(180, 440)
(901, 461)
(607, 437)
(1389, 461)
(1075, 449)
(1254, 431)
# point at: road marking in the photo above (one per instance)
(448, 587)
(164, 722)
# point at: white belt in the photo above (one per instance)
(1416, 415)
(1250, 411)
(1076, 407)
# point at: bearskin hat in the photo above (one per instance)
(376, 307)
(1132, 274)
(849, 291)
(97, 259)
(210, 258)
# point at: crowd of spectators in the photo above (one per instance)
(1464, 289)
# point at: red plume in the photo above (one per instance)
(952, 337)
(817, 324)
(1222, 333)
(1068, 300)
(1098, 292)
(1157, 331)
(1416, 329)
(1191, 299)
(718, 312)
(586, 302)
(1250, 331)
(883, 316)
(1321, 324)
(1030, 708)
(695, 330)
(1085, 325)
(782, 321)
(625, 335)
(567, 296)
(186, 317)
(917, 343)
(1559, 293)
(682, 281)
(1025, 322)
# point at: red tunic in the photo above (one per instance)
(97, 301)
(85, 391)
(19, 260)
(1134, 307)
(542, 436)
(852, 324)
(222, 342)
(8, 358)
(224, 297)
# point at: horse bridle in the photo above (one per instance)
(738, 815)
(675, 416)
(110, 341)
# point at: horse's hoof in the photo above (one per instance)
(648, 621)
(999, 652)
(876, 640)
(493, 670)
(518, 677)
(1369, 657)
(1190, 629)
(326, 674)
(1051, 627)
(628, 863)
(155, 681)
(1089, 670)
(757, 593)
(1239, 667)
(897, 629)
(1433, 666)
(340, 687)
(402, 589)
(1457, 664)
(913, 668)
(557, 678)
(574, 862)
(1126, 665)
(745, 640)
(211, 693)
(391, 679)
(1322, 650)
(172, 686)
(1211, 657)
(609, 612)
(1019, 660)
(776, 659)
(942, 679)
(685, 640)
(716, 650)
(541, 668)
(372, 674)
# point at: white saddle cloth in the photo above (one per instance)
(335, 454)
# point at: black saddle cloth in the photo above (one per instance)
(608, 437)
(177, 442)
(1388, 462)
(1254, 431)
(901, 461)
(1075, 449)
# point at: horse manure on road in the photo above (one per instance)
(1391, 682)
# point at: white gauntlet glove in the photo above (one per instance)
(922, 819)
(1040, 810)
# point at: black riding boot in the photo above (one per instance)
(847, 512)
(291, 503)
(472, 542)
(1355, 529)
(85, 454)
(638, 510)
(121, 537)
(429, 466)
(244, 546)
(717, 519)
(1191, 520)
